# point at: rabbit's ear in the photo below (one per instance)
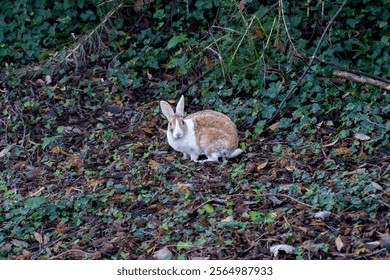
(167, 110)
(180, 107)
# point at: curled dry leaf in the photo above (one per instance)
(288, 249)
(376, 186)
(322, 214)
(163, 254)
(339, 243)
(38, 237)
(261, 166)
(19, 243)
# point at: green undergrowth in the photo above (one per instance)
(86, 172)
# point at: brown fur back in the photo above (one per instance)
(215, 128)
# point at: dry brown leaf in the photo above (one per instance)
(38, 237)
(169, 158)
(26, 253)
(261, 166)
(153, 164)
(259, 33)
(339, 243)
(148, 131)
(184, 188)
(95, 79)
(57, 247)
(20, 243)
(94, 183)
(291, 168)
(344, 151)
(274, 126)
(56, 150)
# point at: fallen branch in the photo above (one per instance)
(353, 71)
(356, 78)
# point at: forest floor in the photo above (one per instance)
(92, 178)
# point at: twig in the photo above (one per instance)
(285, 26)
(292, 90)
(357, 72)
(276, 194)
(356, 78)
(372, 253)
(69, 251)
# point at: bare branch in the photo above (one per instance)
(356, 78)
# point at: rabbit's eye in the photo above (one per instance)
(182, 122)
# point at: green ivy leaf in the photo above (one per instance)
(209, 208)
(35, 202)
(184, 245)
(268, 112)
(176, 40)
(47, 140)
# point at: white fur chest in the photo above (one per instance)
(186, 144)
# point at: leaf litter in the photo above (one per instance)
(109, 186)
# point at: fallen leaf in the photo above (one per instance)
(385, 241)
(362, 137)
(169, 158)
(57, 247)
(20, 243)
(38, 237)
(56, 150)
(163, 254)
(4, 151)
(275, 200)
(339, 243)
(184, 188)
(322, 214)
(26, 253)
(344, 151)
(153, 164)
(274, 126)
(148, 131)
(58, 97)
(309, 245)
(376, 186)
(261, 166)
(259, 33)
(291, 168)
(288, 249)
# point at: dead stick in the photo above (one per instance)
(356, 78)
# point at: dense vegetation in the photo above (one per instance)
(85, 168)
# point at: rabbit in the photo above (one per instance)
(205, 132)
